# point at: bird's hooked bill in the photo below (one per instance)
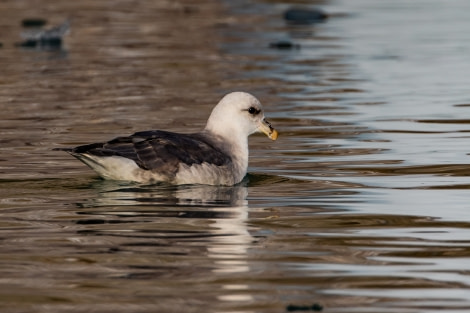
(267, 129)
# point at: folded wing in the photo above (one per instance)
(158, 151)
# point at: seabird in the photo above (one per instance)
(217, 155)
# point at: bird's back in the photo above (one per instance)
(155, 151)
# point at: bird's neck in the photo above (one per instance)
(231, 141)
(239, 155)
(236, 147)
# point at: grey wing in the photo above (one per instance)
(159, 150)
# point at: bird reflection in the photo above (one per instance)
(113, 194)
(201, 229)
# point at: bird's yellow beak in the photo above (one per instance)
(266, 128)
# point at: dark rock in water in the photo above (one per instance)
(305, 16)
(46, 39)
(1, 45)
(284, 45)
(42, 42)
(314, 307)
(28, 43)
(33, 22)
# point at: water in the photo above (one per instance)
(360, 206)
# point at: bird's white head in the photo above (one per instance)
(239, 114)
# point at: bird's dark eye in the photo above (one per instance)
(253, 111)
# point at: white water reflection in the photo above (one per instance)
(223, 210)
(124, 194)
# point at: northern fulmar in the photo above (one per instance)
(217, 155)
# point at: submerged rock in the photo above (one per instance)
(34, 22)
(284, 45)
(314, 307)
(47, 39)
(43, 42)
(301, 16)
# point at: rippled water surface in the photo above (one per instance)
(362, 205)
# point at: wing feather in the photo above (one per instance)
(159, 151)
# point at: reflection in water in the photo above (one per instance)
(124, 194)
(223, 210)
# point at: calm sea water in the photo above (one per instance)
(360, 206)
